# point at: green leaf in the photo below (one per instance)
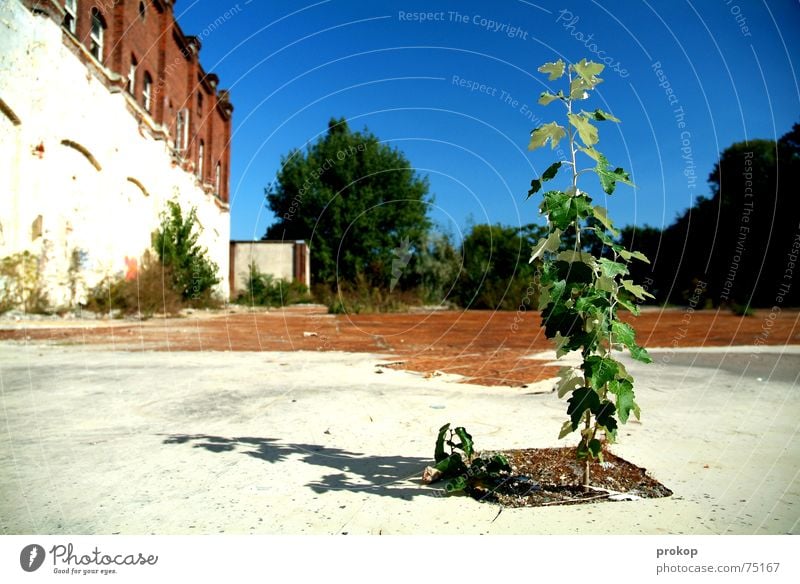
(606, 239)
(583, 206)
(558, 208)
(568, 385)
(605, 416)
(590, 152)
(623, 390)
(629, 306)
(456, 485)
(466, 441)
(600, 370)
(555, 70)
(551, 243)
(575, 272)
(601, 214)
(547, 98)
(440, 454)
(595, 448)
(588, 70)
(572, 256)
(548, 174)
(602, 116)
(610, 268)
(606, 284)
(579, 88)
(552, 132)
(566, 428)
(560, 341)
(610, 178)
(451, 466)
(586, 130)
(636, 290)
(640, 354)
(633, 255)
(583, 398)
(623, 333)
(551, 171)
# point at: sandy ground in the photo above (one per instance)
(100, 441)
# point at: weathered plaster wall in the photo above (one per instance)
(75, 153)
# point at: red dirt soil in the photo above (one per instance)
(487, 348)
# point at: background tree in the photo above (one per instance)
(355, 199)
(738, 239)
(434, 270)
(496, 271)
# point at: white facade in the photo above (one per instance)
(81, 174)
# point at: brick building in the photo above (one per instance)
(105, 114)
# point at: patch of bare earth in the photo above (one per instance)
(485, 347)
(552, 476)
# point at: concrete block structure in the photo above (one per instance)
(285, 260)
(105, 115)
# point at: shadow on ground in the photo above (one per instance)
(387, 476)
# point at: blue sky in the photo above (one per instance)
(292, 65)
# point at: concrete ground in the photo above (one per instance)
(94, 441)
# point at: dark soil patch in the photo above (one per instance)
(553, 476)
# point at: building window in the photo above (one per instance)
(71, 15)
(217, 178)
(142, 10)
(182, 130)
(132, 76)
(201, 154)
(96, 36)
(147, 92)
(200, 104)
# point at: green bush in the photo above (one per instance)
(151, 292)
(192, 273)
(21, 283)
(362, 298)
(266, 290)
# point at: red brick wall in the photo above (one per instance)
(171, 58)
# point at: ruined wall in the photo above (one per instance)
(288, 261)
(84, 170)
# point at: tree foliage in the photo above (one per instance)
(495, 271)
(192, 273)
(581, 290)
(738, 241)
(355, 199)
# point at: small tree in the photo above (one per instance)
(355, 199)
(193, 274)
(581, 289)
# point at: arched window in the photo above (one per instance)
(218, 178)
(142, 10)
(96, 35)
(71, 15)
(200, 105)
(132, 76)
(147, 92)
(201, 154)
